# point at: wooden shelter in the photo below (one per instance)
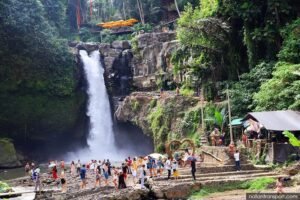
(273, 123)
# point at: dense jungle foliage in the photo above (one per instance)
(252, 46)
(38, 96)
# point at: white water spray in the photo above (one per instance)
(101, 138)
(101, 144)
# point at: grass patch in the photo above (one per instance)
(259, 183)
(253, 185)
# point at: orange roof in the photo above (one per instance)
(120, 23)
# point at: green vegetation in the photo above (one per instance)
(38, 88)
(159, 119)
(185, 91)
(281, 91)
(251, 46)
(135, 105)
(257, 184)
(4, 187)
(292, 139)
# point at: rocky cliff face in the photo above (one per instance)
(162, 117)
(151, 62)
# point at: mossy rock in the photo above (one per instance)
(8, 154)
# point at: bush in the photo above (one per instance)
(4, 187)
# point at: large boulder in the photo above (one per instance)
(8, 154)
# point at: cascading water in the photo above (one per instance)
(101, 139)
(101, 142)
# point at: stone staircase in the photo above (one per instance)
(205, 176)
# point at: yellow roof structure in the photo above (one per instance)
(117, 24)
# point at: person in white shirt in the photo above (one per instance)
(236, 156)
(142, 173)
(168, 167)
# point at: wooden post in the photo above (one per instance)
(229, 116)
(202, 110)
(203, 136)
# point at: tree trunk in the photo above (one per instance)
(140, 11)
(124, 12)
(176, 5)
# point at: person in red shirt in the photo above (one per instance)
(54, 173)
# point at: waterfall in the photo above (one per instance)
(101, 137)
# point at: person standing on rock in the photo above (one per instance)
(168, 167)
(160, 166)
(122, 183)
(129, 164)
(142, 173)
(27, 169)
(175, 170)
(62, 165)
(63, 181)
(105, 169)
(149, 165)
(124, 170)
(134, 170)
(115, 177)
(73, 170)
(54, 173)
(98, 178)
(109, 167)
(237, 160)
(78, 166)
(193, 167)
(83, 177)
(36, 179)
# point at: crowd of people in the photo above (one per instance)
(104, 172)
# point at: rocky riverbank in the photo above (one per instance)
(157, 187)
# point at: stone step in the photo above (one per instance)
(222, 168)
(189, 177)
(233, 170)
(188, 173)
(211, 181)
